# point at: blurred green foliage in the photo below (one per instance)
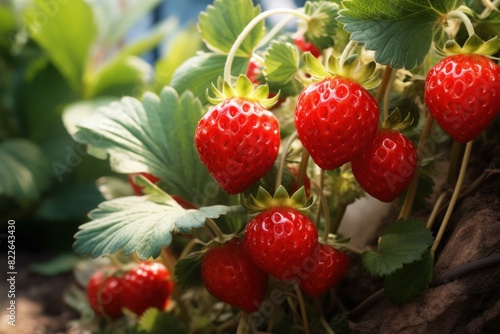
(59, 61)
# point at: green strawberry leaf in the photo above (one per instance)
(188, 270)
(407, 283)
(58, 28)
(403, 241)
(321, 28)
(155, 135)
(197, 73)
(281, 62)
(221, 24)
(24, 170)
(399, 31)
(155, 321)
(62, 263)
(140, 224)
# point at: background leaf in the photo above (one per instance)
(65, 31)
(221, 24)
(281, 62)
(187, 40)
(403, 241)
(197, 73)
(122, 76)
(407, 283)
(24, 170)
(399, 31)
(60, 264)
(154, 136)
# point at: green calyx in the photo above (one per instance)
(343, 187)
(473, 45)
(243, 89)
(264, 200)
(322, 23)
(396, 122)
(352, 68)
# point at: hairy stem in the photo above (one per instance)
(387, 94)
(456, 14)
(454, 197)
(281, 164)
(252, 24)
(349, 48)
(435, 210)
(302, 168)
(383, 85)
(456, 153)
(214, 228)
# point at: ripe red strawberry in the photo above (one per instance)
(327, 269)
(137, 188)
(387, 165)
(238, 140)
(148, 285)
(104, 294)
(335, 118)
(305, 46)
(279, 239)
(230, 275)
(462, 93)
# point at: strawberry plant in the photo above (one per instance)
(206, 152)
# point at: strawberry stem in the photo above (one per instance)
(281, 164)
(454, 197)
(456, 14)
(349, 48)
(302, 168)
(276, 29)
(302, 305)
(412, 188)
(338, 218)
(114, 260)
(213, 226)
(243, 325)
(490, 7)
(435, 210)
(248, 29)
(324, 207)
(383, 85)
(456, 153)
(387, 93)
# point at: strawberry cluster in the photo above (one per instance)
(281, 242)
(147, 285)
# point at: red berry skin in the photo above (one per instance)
(304, 46)
(138, 189)
(104, 294)
(253, 71)
(149, 285)
(238, 141)
(385, 169)
(462, 93)
(279, 239)
(231, 276)
(335, 118)
(329, 268)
